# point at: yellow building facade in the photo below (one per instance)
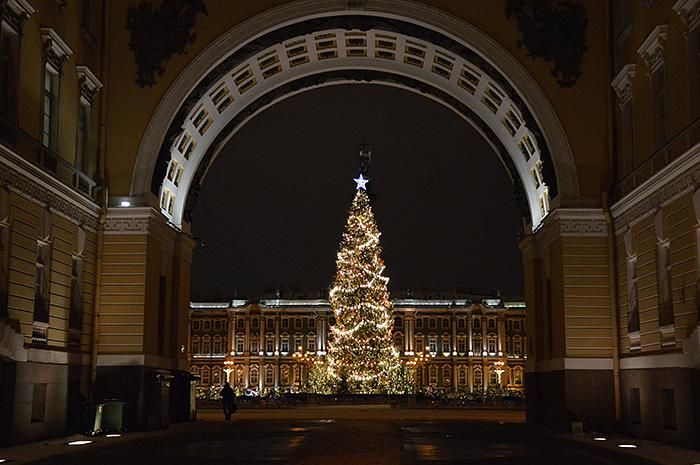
(112, 111)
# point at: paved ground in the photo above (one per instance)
(341, 435)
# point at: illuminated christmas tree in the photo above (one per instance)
(361, 356)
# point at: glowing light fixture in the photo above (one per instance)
(124, 203)
(600, 439)
(113, 435)
(79, 443)
(627, 446)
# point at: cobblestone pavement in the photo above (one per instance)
(338, 436)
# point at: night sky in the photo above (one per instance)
(273, 206)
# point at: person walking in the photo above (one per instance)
(228, 400)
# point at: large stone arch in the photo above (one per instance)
(310, 43)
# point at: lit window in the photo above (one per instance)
(255, 345)
(269, 344)
(254, 378)
(432, 375)
(285, 345)
(432, 344)
(240, 344)
(446, 343)
(269, 375)
(49, 125)
(446, 375)
(419, 343)
(311, 343)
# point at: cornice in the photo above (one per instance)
(56, 49)
(15, 13)
(652, 49)
(689, 11)
(89, 84)
(24, 178)
(133, 220)
(623, 84)
(679, 177)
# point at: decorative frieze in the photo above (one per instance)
(652, 49)
(15, 13)
(578, 222)
(623, 84)
(55, 49)
(132, 220)
(89, 84)
(677, 178)
(689, 11)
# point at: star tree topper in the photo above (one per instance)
(361, 183)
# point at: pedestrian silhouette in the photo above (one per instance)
(228, 401)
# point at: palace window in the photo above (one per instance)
(492, 323)
(663, 272)
(517, 345)
(240, 344)
(285, 323)
(658, 108)
(509, 346)
(254, 323)
(478, 348)
(298, 343)
(461, 323)
(398, 341)
(462, 375)
(446, 375)
(284, 375)
(206, 345)
(297, 323)
(207, 325)
(217, 325)
(269, 323)
(42, 280)
(312, 322)
(461, 344)
(255, 346)
(76, 285)
(195, 325)
(432, 323)
(311, 343)
(432, 375)
(445, 344)
(518, 376)
(217, 345)
(477, 323)
(493, 378)
(195, 345)
(269, 344)
(491, 342)
(419, 322)
(419, 343)
(397, 322)
(285, 344)
(240, 323)
(478, 377)
(445, 323)
(269, 375)
(216, 375)
(239, 376)
(254, 375)
(432, 344)
(85, 152)
(516, 325)
(206, 375)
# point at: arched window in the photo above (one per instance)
(284, 344)
(206, 345)
(205, 375)
(269, 375)
(476, 324)
(398, 341)
(254, 375)
(298, 343)
(493, 377)
(517, 345)
(478, 348)
(518, 376)
(462, 375)
(194, 369)
(432, 375)
(491, 343)
(478, 377)
(461, 344)
(284, 375)
(447, 375)
(311, 342)
(446, 343)
(240, 343)
(420, 343)
(218, 348)
(195, 345)
(270, 343)
(492, 323)
(216, 375)
(432, 344)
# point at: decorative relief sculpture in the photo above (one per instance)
(159, 33)
(553, 31)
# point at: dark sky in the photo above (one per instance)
(273, 206)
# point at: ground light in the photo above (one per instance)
(113, 435)
(627, 446)
(79, 443)
(600, 439)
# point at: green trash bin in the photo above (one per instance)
(109, 417)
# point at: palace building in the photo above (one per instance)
(456, 345)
